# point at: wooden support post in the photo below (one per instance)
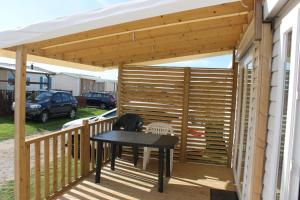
(261, 115)
(185, 112)
(258, 12)
(21, 179)
(119, 98)
(85, 149)
(233, 108)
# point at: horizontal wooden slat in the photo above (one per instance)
(156, 94)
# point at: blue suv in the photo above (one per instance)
(51, 104)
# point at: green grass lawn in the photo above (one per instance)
(33, 127)
(7, 189)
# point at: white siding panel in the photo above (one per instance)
(268, 187)
(276, 48)
(272, 108)
(276, 35)
(271, 123)
(274, 79)
(275, 64)
(273, 94)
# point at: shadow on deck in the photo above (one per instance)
(188, 181)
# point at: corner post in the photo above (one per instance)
(20, 102)
(233, 108)
(85, 149)
(185, 113)
(262, 110)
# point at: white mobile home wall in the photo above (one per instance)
(66, 82)
(33, 78)
(287, 19)
(258, 53)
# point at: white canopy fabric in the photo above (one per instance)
(112, 15)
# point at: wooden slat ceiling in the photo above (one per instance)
(203, 30)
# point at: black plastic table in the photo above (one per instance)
(136, 139)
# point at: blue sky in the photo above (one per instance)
(19, 13)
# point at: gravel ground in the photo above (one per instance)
(7, 157)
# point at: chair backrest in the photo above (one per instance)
(129, 122)
(159, 128)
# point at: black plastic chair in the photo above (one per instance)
(129, 122)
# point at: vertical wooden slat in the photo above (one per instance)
(104, 144)
(75, 154)
(69, 157)
(185, 112)
(63, 168)
(54, 163)
(119, 99)
(46, 161)
(37, 171)
(20, 98)
(103, 129)
(233, 108)
(93, 148)
(27, 163)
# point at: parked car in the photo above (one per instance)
(78, 122)
(103, 100)
(50, 104)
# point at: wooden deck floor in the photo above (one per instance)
(189, 181)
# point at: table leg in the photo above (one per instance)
(99, 161)
(135, 155)
(120, 151)
(161, 170)
(168, 164)
(113, 157)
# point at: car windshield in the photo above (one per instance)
(111, 114)
(43, 96)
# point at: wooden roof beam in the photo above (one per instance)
(171, 49)
(115, 52)
(152, 43)
(206, 13)
(146, 35)
(163, 55)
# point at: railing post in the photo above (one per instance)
(85, 149)
(185, 113)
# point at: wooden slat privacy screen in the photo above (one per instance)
(165, 94)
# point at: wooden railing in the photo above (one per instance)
(58, 160)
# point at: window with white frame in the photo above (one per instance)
(287, 61)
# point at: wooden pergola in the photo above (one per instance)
(199, 31)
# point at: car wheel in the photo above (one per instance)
(72, 113)
(44, 116)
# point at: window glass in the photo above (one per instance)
(111, 114)
(10, 78)
(65, 97)
(43, 96)
(57, 98)
(287, 63)
(246, 98)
